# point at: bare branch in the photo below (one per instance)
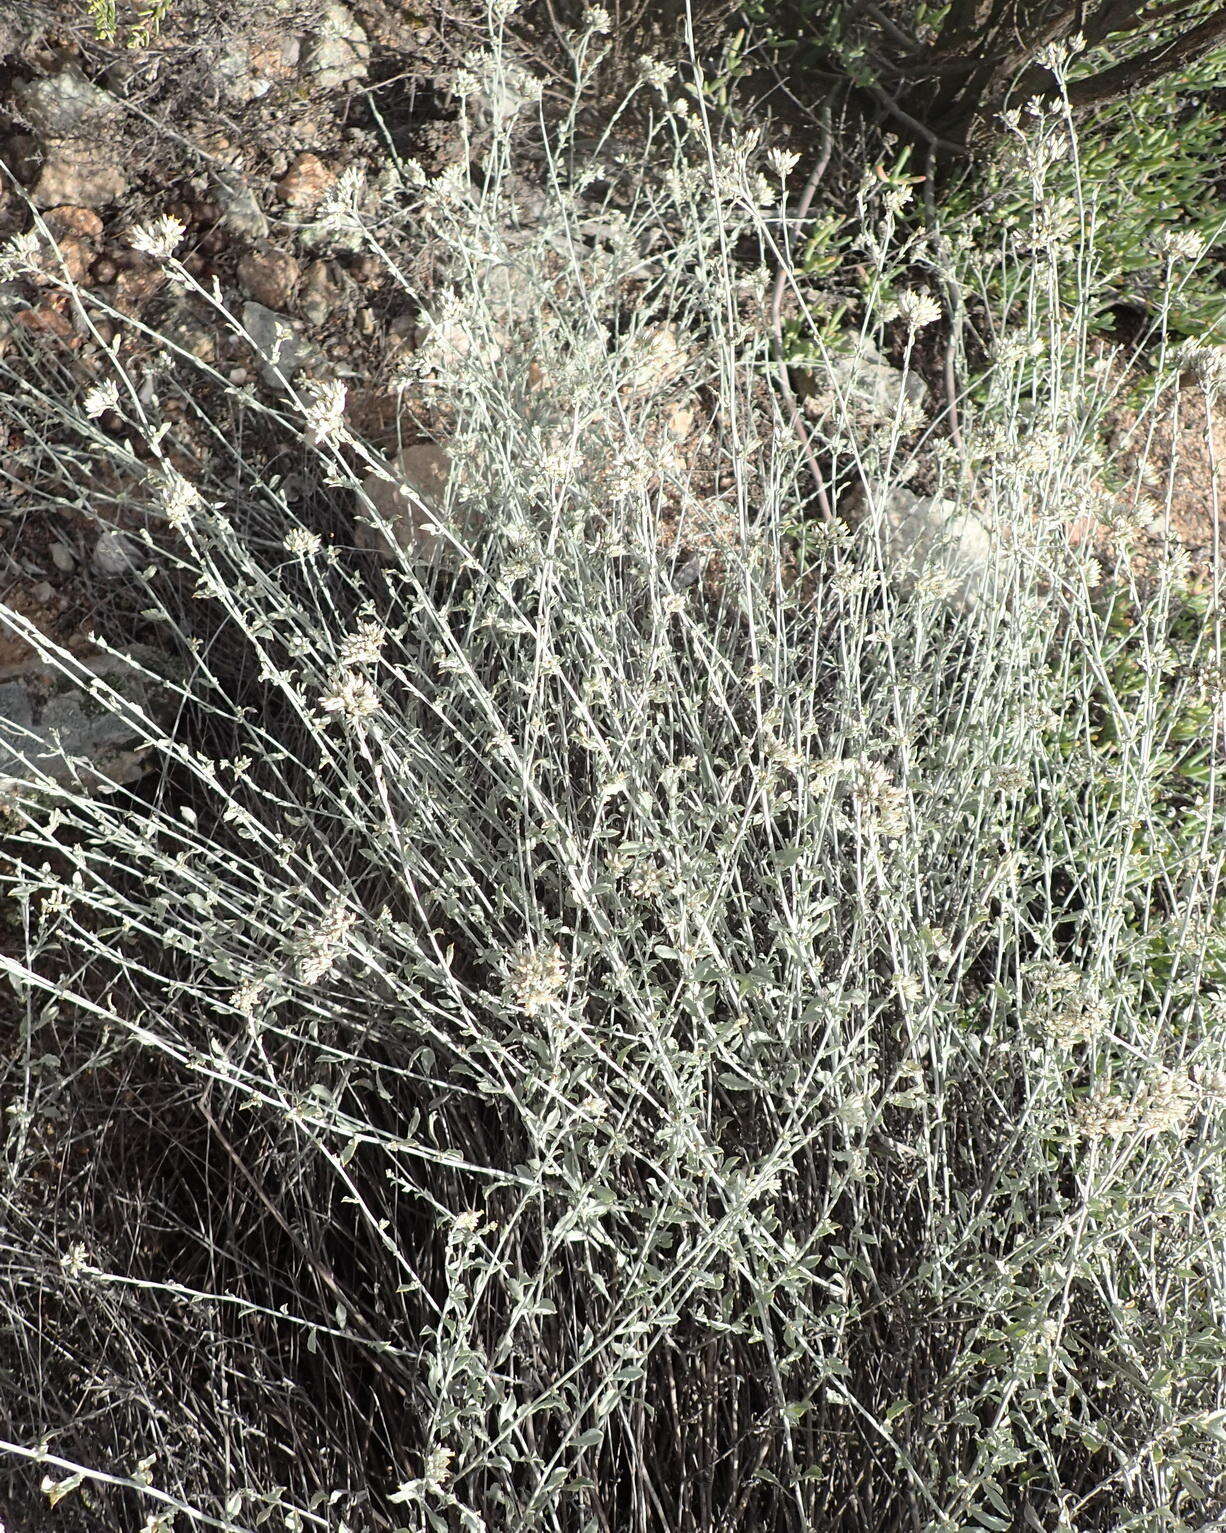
(1132, 74)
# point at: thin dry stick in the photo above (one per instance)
(781, 276)
(954, 301)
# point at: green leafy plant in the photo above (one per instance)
(1145, 165)
(141, 30)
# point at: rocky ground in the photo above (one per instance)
(238, 127)
(237, 121)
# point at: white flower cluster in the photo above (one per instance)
(1067, 1006)
(159, 239)
(324, 409)
(782, 161)
(1206, 364)
(655, 74)
(247, 998)
(1179, 245)
(918, 308)
(881, 802)
(537, 979)
(180, 498)
(22, 256)
(351, 695)
(319, 947)
(102, 397)
(1163, 1105)
(302, 542)
(364, 645)
(340, 210)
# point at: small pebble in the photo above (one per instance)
(114, 554)
(61, 557)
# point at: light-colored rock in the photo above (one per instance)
(237, 78)
(248, 71)
(861, 382)
(930, 535)
(115, 554)
(52, 727)
(410, 502)
(279, 341)
(241, 214)
(305, 182)
(73, 172)
(679, 420)
(503, 98)
(339, 52)
(64, 105)
(270, 276)
(318, 295)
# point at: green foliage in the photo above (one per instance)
(102, 14)
(1148, 163)
(1160, 673)
(143, 28)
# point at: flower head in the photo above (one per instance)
(324, 408)
(918, 309)
(351, 695)
(302, 541)
(158, 239)
(320, 945)
(538, 979)
(101, 398)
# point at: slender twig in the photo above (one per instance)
(781, 277)
(1151, 66)
(954, 302)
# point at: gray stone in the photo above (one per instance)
(16, 707)
(410, 501)
(115, 554)
(339, 52)
(862, 382)
(930, 533)
(192, 334)
(319, 294)
(54, 727)
(240, 212)
(279, 341)
(246, 73)
(238, 80)
(64, 105)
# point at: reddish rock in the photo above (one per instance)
(269, 276)
(305, 182)
(83, 222)
(77, 175)
(135, 287)
(46, 320)
(75, 232)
